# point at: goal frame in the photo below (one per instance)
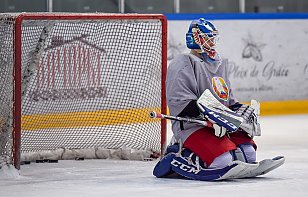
(17, 98)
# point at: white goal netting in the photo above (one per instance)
(85, 84)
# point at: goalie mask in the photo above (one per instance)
(202, 36)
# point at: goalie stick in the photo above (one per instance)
(218, 115)
(203, 122)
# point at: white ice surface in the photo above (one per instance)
(281, 135)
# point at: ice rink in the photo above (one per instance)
(281, 135)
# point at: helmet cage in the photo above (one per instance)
(206, 41)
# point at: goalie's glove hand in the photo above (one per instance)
(250, 124)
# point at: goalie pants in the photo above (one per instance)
(207, 146)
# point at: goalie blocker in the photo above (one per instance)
(227, 120)
(217, 112)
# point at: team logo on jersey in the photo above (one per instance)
(220, 88)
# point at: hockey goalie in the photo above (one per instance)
(213, 132)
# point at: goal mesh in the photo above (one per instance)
(86, 83)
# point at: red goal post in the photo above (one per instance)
(82, 81)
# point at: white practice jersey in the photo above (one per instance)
(187, 78)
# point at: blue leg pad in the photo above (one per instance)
(187, 166)
(183, 168)
(163, 167)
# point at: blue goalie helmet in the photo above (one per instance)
(199, 34)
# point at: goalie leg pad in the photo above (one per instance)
(163, 167)
(187, 164)
(185, 168)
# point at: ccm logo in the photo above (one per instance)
(184, 167)
(223, 120)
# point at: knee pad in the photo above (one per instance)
(222, 160)
(249, 152)
(245, 153)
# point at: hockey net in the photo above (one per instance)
(81, 86)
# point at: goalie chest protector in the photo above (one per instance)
(187, 78)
